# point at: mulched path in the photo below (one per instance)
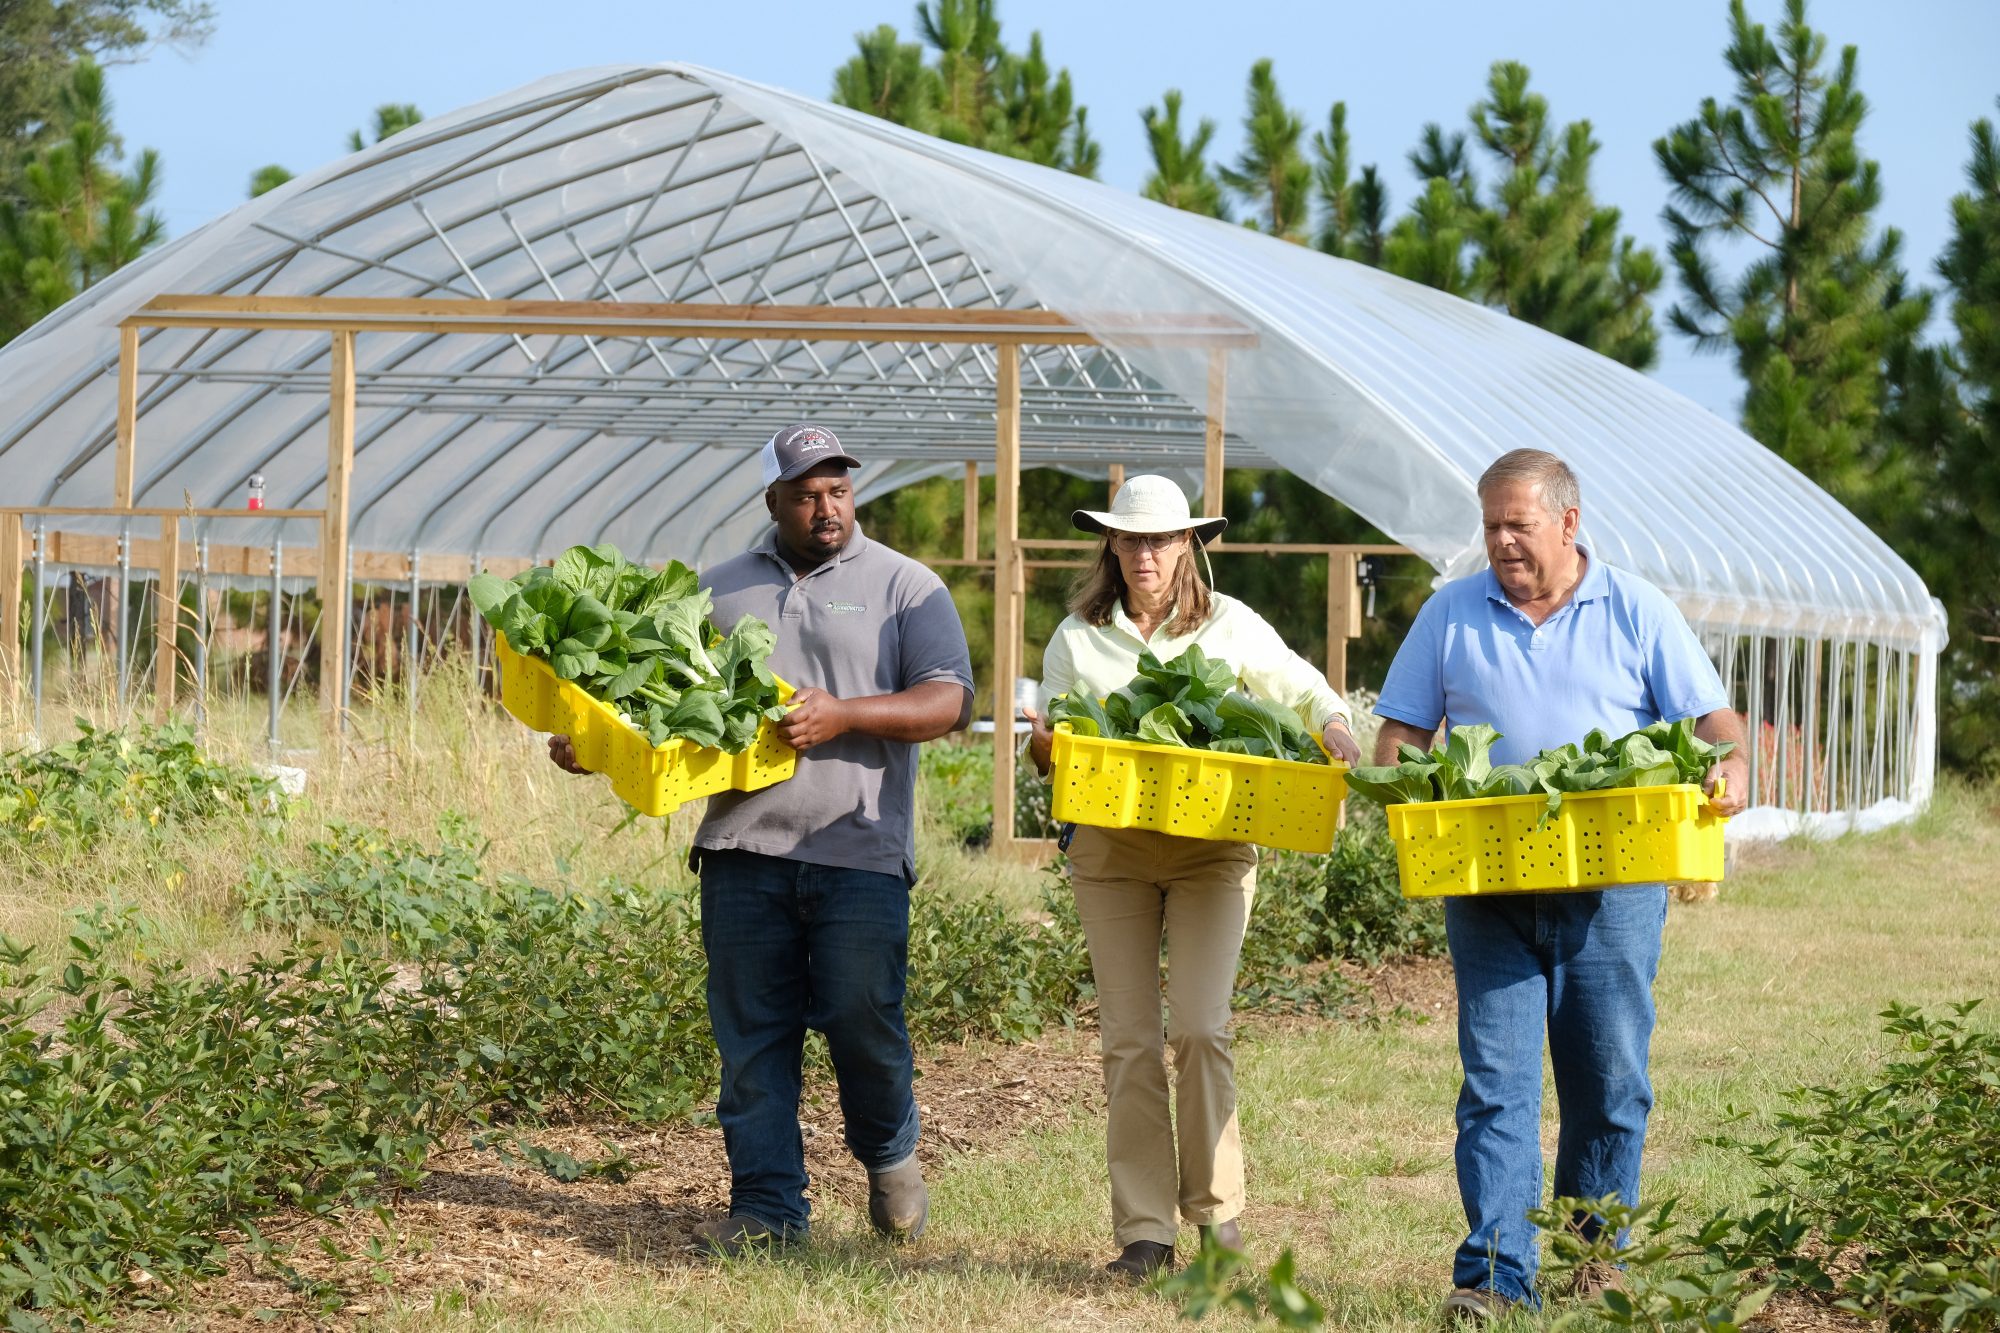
(486, 1226)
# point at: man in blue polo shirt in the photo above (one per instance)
(1544, 646)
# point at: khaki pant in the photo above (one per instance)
(1130, 884)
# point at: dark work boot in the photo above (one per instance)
(1140, 1260)
(899, 1204)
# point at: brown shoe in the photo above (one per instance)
(899, 1204)
(1141, 1260)
(1593, 1279)
(734, 1236)
(1222, 1236)
(1477, 1305)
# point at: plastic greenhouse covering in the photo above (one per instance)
(663, 183)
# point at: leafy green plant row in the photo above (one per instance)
(106, 781)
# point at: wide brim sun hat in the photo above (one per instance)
(1149, 504)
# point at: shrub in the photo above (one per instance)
(977, 970)
(1882, 1197)
(1313, 910)
(105, 781)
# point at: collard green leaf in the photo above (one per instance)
(1164, 725)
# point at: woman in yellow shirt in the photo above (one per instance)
(1145, 592)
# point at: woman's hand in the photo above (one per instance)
(1040, 739)
(1340, 743)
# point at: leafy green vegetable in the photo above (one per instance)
(1193, 702)
(1660, 755)
(640, 640)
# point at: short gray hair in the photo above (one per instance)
(1535, 467)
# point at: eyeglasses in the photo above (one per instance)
(1131, 543)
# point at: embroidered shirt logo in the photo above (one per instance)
(846, 608)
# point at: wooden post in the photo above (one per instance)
(971, 511)
(333, 594)
(1211, 469)
(1006, 586)
(1114, 477)
(128, 415)
(167, 619)
(10, 606)
(1343, 615)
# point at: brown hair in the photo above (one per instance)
(1535, 467)
(1100, 589)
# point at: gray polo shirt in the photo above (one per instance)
(870, 621)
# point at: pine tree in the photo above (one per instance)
(1950, 400)
(81, 217)
(1271, 173)
(40, 41)
(268, 178)
(1429, 243)
(391, 118)
(888, 79)
(1823, 303)
(1181, 177)
(1547, 253)
(976, 91)
(1352, 212)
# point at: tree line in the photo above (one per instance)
(1777, 259)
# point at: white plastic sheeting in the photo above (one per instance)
(677, 183)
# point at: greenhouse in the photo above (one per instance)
(569, 314)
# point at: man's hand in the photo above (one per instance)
(563, 755)
(815, 718)
(1735, 774)
(1340, 742)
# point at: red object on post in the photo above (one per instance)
(256, 490)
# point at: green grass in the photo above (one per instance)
(1348, 1126)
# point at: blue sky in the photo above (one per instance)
(285, 82)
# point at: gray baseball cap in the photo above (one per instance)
(799, 449)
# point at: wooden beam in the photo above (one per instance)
(128, 415)
(167, 619)
(1211, 467)
(333, 595)
(1114, 481)
(1343, 615)
(1006, 584)
(101, 551)
(785, 323)
(10, 607)
(154, 511)
(971, 543)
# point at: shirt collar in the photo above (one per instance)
(1120, 620)
(1596, 582)
(767, 544)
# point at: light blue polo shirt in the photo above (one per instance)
(1619, 656)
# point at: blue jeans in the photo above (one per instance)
(1580, 967)
(793, 946)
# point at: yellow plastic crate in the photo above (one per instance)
(1195, 793)
(1629, 835)
(653, 781)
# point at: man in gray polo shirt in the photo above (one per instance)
(805, 909)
